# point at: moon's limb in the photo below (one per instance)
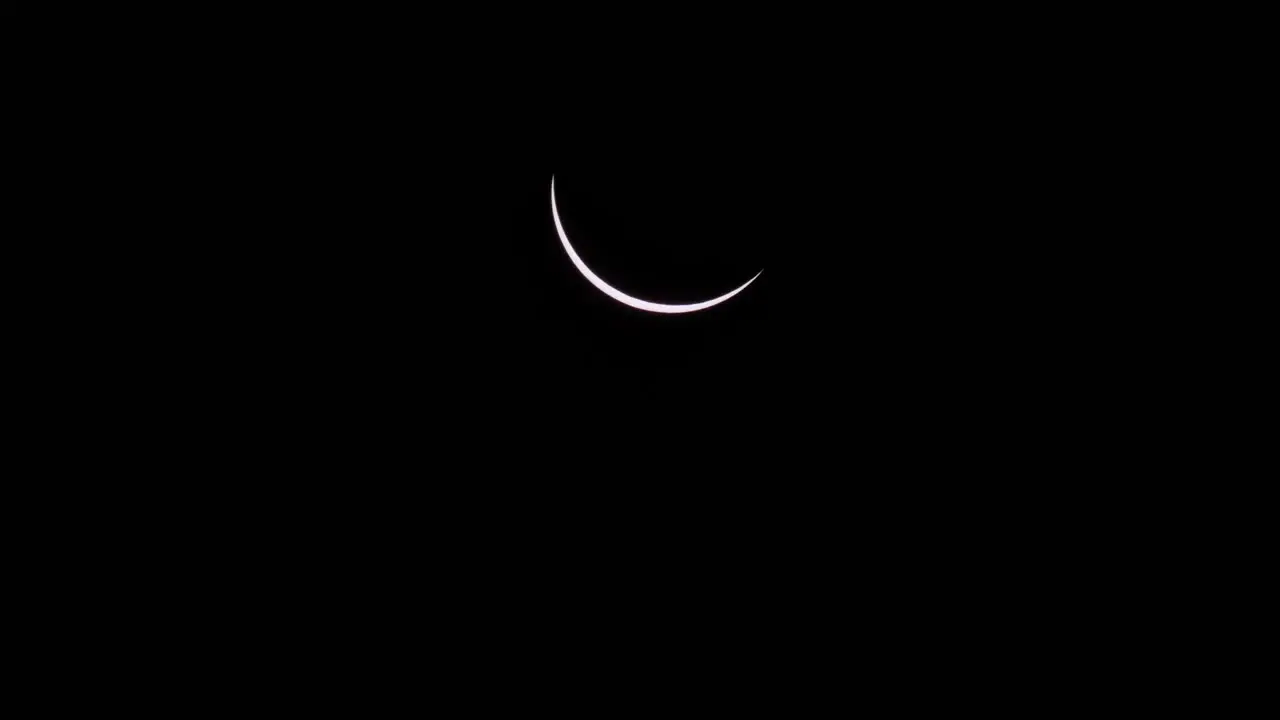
(620, 296)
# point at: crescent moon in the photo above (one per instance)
(617, 294)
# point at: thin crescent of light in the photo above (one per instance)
(617, 294)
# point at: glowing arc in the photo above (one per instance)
(617, 294)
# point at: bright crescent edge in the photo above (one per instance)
(620, 296)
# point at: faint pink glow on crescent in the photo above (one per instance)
(620, 296)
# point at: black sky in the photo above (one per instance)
(351, 223)
(312, 327)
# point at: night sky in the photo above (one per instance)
(317, 341)
(349, 258)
